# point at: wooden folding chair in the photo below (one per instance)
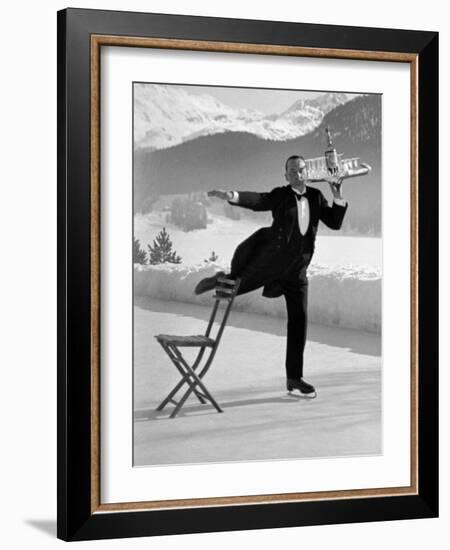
(192, 374)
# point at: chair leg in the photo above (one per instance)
(188, 393)
(184, 379)
(192, 385)
(189, 377)
(175, 391)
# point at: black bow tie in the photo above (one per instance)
(299, 195)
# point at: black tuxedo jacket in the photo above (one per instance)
(272, 243)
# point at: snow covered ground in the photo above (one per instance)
(223, 235)
(345, 275)
(260, 420)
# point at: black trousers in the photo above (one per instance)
(288, 270)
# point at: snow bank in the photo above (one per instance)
(346, 296)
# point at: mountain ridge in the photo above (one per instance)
(243, 161)
(166, 116)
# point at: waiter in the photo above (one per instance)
(277, 257)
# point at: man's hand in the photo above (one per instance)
(335, 184)
(220, 194)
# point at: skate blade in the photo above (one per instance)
(311, 395)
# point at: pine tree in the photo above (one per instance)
(139, 255)
(213, 258)
(161, 252)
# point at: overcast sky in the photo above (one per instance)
(267, 101)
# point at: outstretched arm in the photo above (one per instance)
(220, 194)
(247, 199)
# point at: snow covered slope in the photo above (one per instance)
(165, 116)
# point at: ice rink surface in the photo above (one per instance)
(261, 421)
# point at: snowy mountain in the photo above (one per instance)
(165, 116)
(241, 160)
(358, 122)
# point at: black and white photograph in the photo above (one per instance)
(257, 265)
(170, 376)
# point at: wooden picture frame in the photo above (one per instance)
(81, 35)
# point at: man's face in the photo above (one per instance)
(296, 173)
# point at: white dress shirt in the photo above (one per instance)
(302, 211)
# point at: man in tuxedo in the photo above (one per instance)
(277, 257)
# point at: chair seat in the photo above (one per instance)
(197, 340)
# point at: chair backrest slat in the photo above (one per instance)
(222, 294)
(225, 281)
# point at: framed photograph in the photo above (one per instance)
(247, 274)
